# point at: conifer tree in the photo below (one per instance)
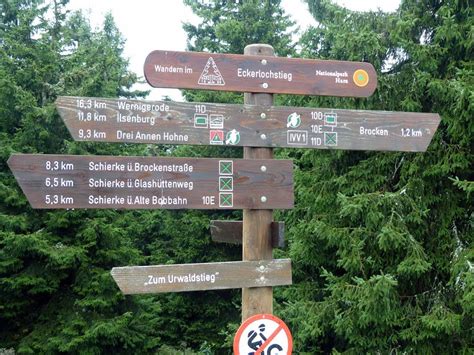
(229, 26)
(56, 293)
(382, 243)
(56, 289)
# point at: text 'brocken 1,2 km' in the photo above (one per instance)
(136, 121)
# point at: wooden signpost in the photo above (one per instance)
(262, 72)
(256, 232)
(73, 181)
(198, 277)
(163, 122)
(257, 184)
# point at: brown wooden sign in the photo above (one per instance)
(256, 73)
(72, 181)
(231, 232)
(163, 122)
(199, 277)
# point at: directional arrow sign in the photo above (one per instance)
(120, 120)
(73, 181)
(198, 277)
(234, 72)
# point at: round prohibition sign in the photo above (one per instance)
(263, 334)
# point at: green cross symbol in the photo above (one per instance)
(226, 183)
(226, 199)
(225, 167)
(330, 138)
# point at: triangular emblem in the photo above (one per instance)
(216, 137)
(211, 74)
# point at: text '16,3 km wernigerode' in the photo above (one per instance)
(163, 122)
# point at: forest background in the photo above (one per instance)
(381, 243)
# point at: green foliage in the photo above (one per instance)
(56, 292)
(382, 243)
(229, 26)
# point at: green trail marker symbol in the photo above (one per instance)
(330, 119)
(226, 199)
(226, 183)
(330, 138)
(201, 120)
(226, 167)
(232, 137)
(294, 120)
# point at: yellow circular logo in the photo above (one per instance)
(360, 77)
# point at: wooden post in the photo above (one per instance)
(256, 233)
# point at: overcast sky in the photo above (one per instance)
(148, 25)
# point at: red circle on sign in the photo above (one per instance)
(281, 326)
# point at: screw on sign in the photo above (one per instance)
(263, 334)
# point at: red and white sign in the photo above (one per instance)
(263, 334)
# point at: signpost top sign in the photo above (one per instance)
(259, 74)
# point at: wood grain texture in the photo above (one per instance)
(262, 125)
(72, 181)
(256, 231)
(260, 73)
(198, 277)
(231, 232)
